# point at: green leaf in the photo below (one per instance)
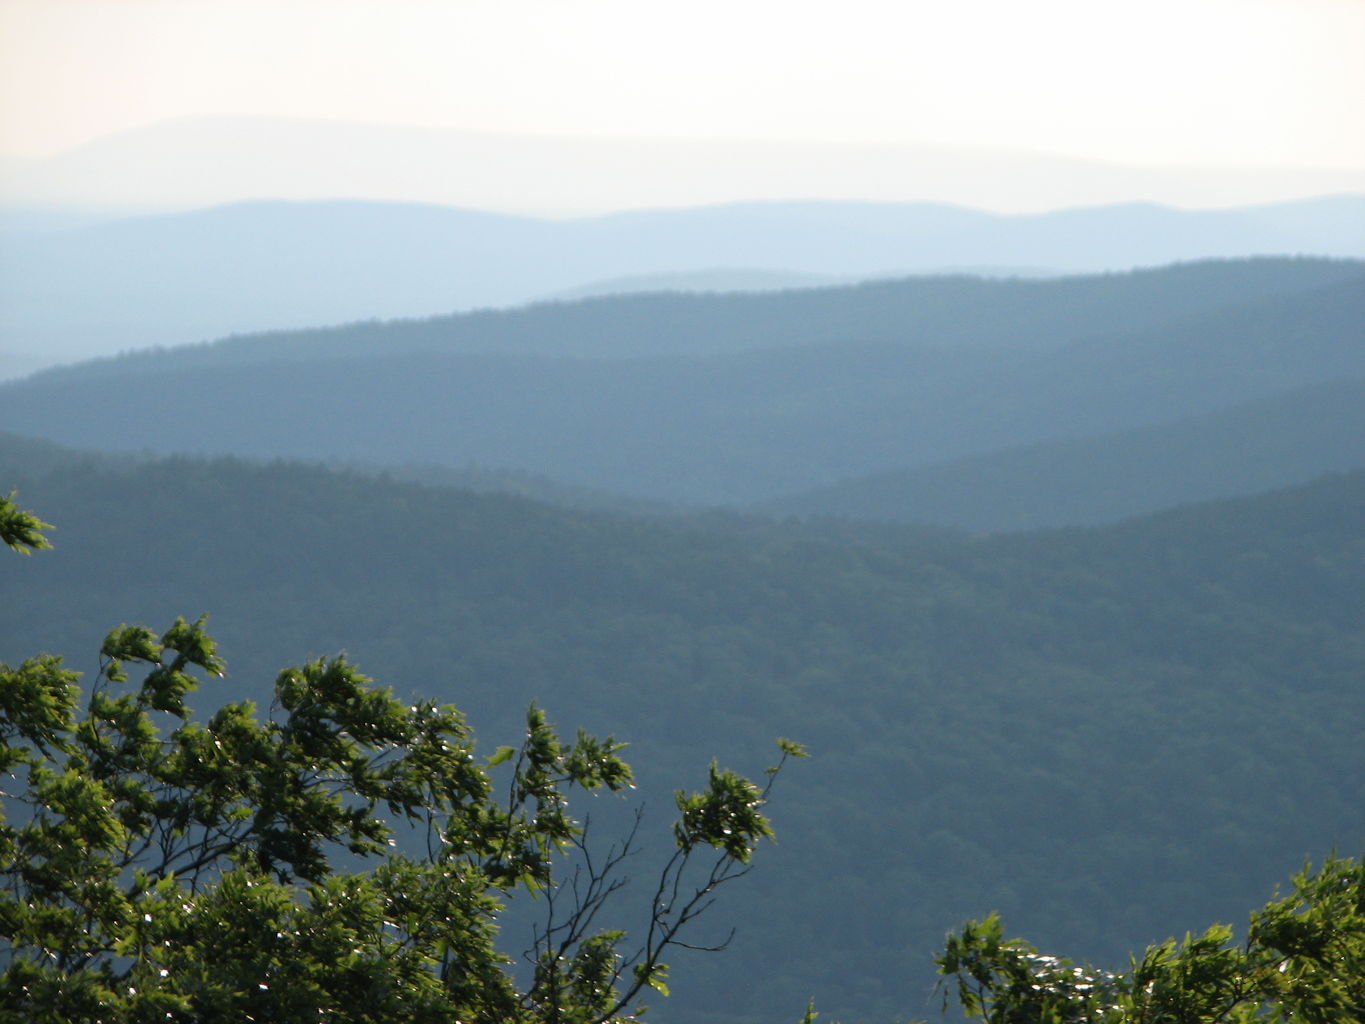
(20, 529)
(654, 975)
(791, 748)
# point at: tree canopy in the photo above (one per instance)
(1302, 959)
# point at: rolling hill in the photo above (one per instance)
(1106, 734)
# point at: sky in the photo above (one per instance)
(1248, 82)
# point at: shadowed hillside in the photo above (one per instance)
(1288, 438)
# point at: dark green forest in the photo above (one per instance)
(1109, 735)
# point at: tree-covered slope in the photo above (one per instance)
(1285, 439)
(867, 392)
(1104, 734)
(948, 312)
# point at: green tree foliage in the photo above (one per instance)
(156, 867)
(1303, 959)
(21, 530)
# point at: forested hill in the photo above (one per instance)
(950, 312)
(1254, 446)
(794, 391)
(1106, 734)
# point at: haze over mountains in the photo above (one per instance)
(197, 161)
(168, 279)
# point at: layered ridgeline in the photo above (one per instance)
(731, 399)
(1105, 734)
(1254, 446)
(73, 291)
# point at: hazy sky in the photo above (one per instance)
(1261, 82)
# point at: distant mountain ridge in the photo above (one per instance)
(951, 312)
(187, 277)
(716, 279)
(735, 399)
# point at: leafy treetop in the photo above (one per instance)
(19, 529)
(1303, 960)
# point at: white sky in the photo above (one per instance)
(1251, 82)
